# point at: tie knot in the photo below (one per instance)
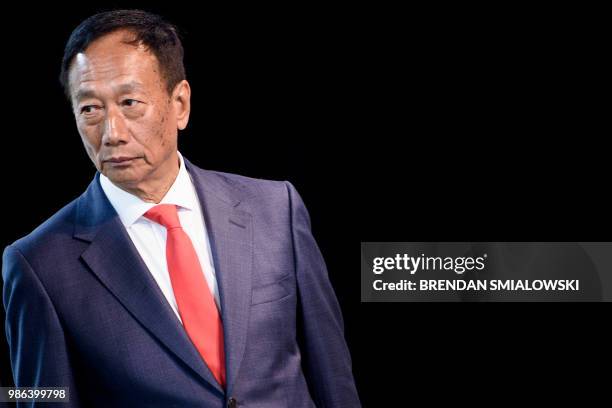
(164, 214)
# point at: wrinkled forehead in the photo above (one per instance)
(112, 60)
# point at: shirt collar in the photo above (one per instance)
(130, 208)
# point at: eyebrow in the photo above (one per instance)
(85, 93)
(121, 89)
(129, 87)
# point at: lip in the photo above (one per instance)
(120, 161)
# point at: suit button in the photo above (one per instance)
(232, 403)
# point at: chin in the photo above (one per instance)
(123, 177)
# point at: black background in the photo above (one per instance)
(424, 124)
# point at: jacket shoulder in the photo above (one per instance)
(59, 225)
(270, 199)
(249, 185)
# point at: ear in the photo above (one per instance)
(181, 101)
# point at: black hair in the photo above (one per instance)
(160, 37)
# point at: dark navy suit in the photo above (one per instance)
(83, 311)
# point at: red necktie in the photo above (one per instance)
(195, 302)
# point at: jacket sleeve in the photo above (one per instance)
(38, 351)
(325, 356)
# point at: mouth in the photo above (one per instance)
(120, 161)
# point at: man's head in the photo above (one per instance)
(123, 73)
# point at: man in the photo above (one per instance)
(165, 285)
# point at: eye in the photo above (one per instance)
(129, 102)
(88, 109)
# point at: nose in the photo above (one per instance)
(115, 129)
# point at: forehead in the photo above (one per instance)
(110, 61)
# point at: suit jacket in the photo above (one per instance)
(83, 311)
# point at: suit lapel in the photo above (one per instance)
(230, 233)
(112, 257)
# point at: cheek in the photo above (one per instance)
(90, 136)
(160, 134)
(153, 133)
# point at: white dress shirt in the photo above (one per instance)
(149, 238)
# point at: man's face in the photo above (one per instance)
(127, 120)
